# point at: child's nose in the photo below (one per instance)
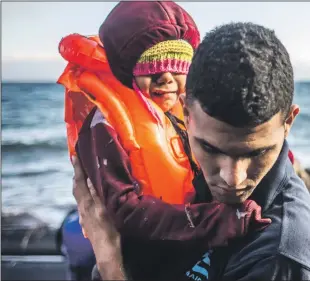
(165, 78)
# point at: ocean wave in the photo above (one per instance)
(25, 139)
(37, 166)
(46, 146)
(24, 174)
(33, 135)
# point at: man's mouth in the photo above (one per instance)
(233, 192)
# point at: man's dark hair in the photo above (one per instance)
(241, 74)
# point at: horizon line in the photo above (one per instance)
(306, 80)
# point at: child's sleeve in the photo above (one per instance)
(148, 217)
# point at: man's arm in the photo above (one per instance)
(101, 231)
(112, 269)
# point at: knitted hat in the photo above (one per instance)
(167, 56)
(133, 27)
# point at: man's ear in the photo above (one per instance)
(294, 111)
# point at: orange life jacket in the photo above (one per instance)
(158, 160)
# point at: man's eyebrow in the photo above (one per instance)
(247, 154)
(204, 142)
(260, 150)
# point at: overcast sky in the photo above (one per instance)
(31, 31)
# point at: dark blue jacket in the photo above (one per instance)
(279, 252)
(282, 250)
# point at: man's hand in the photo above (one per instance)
(98, 226)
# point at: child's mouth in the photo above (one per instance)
(160, 94)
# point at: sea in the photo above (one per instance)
(36, 171)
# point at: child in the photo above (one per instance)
(133, 145)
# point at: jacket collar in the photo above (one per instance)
(275, 180)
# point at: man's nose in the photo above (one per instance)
(234, 172)
(165, 78)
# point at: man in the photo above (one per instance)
(238, 112)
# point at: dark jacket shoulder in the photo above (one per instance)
(282, 250)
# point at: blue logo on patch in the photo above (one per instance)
(200, 271)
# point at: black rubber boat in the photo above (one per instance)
(30, 249)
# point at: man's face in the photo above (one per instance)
(235, 160)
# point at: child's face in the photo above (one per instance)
(163, 88)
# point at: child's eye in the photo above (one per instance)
(155, 77)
